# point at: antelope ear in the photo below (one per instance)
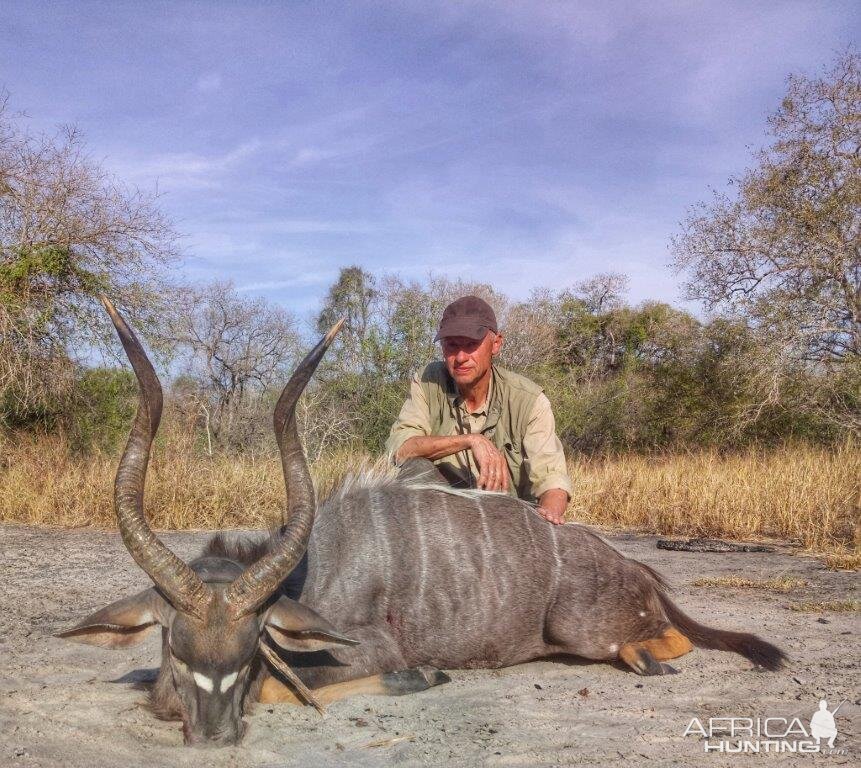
(123, 623)
(295, 627)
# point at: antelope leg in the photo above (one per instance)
(645, 656)
(397, 683)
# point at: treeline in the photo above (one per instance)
(776, 355)
(620, 377)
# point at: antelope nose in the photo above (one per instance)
(214, 739)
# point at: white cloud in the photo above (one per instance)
(311, 155)
(299, 281)
(319, 226)
(185, 170)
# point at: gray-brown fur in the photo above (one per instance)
(424, 575)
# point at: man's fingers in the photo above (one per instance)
(493, 477)
(486, 479)
(500, 475)
(551, 516)
(493, 469)
(502, 478)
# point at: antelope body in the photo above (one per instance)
(416, 576)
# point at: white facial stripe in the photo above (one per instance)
(203, 682)
(228, 680)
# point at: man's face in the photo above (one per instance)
(468, 360)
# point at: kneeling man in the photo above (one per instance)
(481, 425)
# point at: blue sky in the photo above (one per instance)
(519, 143)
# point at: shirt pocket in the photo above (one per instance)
(513, 450)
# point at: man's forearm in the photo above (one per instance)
(433, 447)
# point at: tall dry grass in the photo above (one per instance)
(799, 493)
(809, 495)
(43, 483)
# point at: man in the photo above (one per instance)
(481, 425)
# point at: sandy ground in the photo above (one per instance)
(63, 704)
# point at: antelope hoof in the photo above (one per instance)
(413, 680)
(654, 667)
(643, 662)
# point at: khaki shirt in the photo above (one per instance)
(542, 449)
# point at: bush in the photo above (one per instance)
(101, 413)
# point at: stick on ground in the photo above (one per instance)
(300, 687)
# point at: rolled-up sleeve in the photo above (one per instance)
(412, 421)
(545, 456)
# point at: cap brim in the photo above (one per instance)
(467, 329)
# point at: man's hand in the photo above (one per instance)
(551, 515)
(492, 467)
(552, 505)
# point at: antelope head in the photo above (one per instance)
(213, 612)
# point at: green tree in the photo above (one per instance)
(102, 408)
(350, 297)
(68, 231)
(784, 251)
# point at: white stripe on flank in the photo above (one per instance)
(382, 544)
(227, 681)
(557, 571)
(446, 515)
(527, 513)
(487, 549)
(203, 682)
(488, 541)
(423, 555)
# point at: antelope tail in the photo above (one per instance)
(750, 646)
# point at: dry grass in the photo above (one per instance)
(42, 484)
(835, 606)
(843, 561)
(782, 584)
(804, 494)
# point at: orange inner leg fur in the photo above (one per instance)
(275, 691)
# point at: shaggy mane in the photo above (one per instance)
(383, 474)
(369, 475)
(242, 549)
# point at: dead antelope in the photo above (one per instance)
(417, 576)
